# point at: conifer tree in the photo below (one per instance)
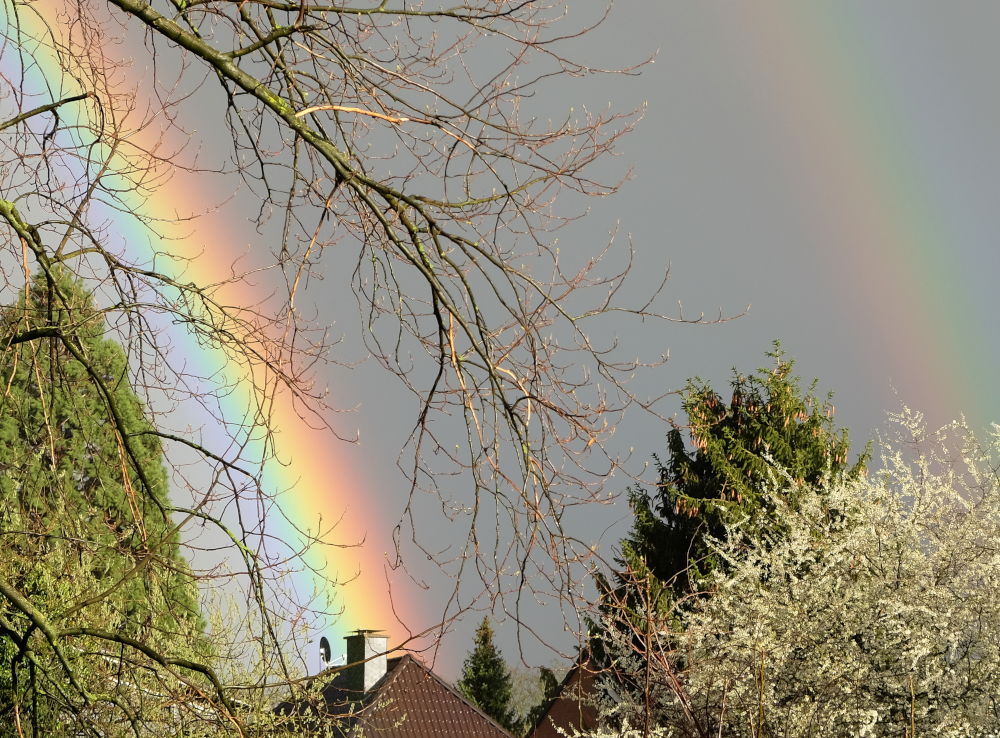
(770, 434)
(768, 424)
(486, 680)
(86, 537)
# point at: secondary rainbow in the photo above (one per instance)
(876, 184)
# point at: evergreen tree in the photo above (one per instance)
(736, 446)
(768, 428)
(486, 680)
(85, 530)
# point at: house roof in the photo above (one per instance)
(410, 701)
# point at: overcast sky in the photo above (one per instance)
(831, 165)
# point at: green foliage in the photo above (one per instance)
(735, 446)
(86, 535)
(486, 680)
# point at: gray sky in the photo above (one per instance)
(830, 164)
(833, 166)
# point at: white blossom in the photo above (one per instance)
(875, 613)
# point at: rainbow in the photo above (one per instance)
(870, 181)
(316, 475)
(875, 182)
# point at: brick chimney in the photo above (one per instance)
(366, 660)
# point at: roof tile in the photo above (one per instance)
(410, 701)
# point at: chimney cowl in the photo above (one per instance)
(366, 659)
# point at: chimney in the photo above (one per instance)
(366, 661)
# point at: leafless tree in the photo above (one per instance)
(406, 147)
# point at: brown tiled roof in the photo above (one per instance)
(410, 701)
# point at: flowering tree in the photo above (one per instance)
(735, 445)
(874, 613)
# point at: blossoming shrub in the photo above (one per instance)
(875, 611)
